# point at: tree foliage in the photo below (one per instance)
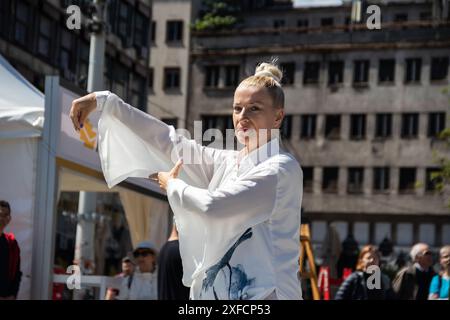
(441, 177)
(216, 15)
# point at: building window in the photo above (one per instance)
(357, 126)
(400, 17)
(279, 23)
(45, 37)
(121, 77)
(286, 127)
(83, 64)
(439, 68)
(381, 179)
(141, 31)
(4, 18)
(174, 31)
(404, 234)
(383, 124)
(330, 179)
(361, 72)
(138, 93)
(212, 74)
(67, 55)
(413, 69)
(386, 71)
(432, 179)
(151, 76)
(217, 122)
(335, 72)
(288, 72)
(124, 24)
(427, 233)
(355, 180)
(170, 122)
(436, 123)
(425, 16)
(410, 125)
(231, 76)
(311, 72)
(107, 73)
(302, 23)
(333, 126)
(21, 28)
(407, 180)
(326, 22)
(172, 78)
(308, 126)
(153, 32)
(308, 179)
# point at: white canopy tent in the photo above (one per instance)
(21, 122)
(26, 159)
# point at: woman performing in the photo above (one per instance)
(237, 212)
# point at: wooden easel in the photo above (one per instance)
(306, 249)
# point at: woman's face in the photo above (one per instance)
(253, 111)
(370, 259)
(445, 258)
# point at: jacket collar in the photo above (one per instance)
(259, 155)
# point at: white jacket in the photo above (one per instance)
(238, 224)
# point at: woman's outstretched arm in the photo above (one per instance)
(133, 143)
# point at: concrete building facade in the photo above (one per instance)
(364, 108)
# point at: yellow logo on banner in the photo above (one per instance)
(88, 135)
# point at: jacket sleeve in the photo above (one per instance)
(398, 284)
(133, 143)
(14, 289)
(346, 288)
(246, 198)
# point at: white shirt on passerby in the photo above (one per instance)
(143, 287)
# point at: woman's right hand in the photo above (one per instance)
(81, 108)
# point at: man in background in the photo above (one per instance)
(10, 274)
(413, 282)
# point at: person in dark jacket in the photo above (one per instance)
(170, 285)
(413, 282)
(10, 274)
(365, 284)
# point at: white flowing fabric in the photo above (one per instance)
(238, 224)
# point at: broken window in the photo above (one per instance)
(410, 125)
(355, 180)
(357, 126)
(308, 126)
(383, 125)
(386, 70)
(407, 180)
(413, 70)
(333, 126)
(330, 179)
(335, 72)
(381, 179)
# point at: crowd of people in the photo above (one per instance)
(416, 281)
(150, 274)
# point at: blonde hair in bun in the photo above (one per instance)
(269, 70)
(267, 75)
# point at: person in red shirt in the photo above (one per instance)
(10, 274)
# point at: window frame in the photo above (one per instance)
(174, 70)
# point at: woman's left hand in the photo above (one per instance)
(164, 177)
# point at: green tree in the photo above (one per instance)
(441, 177)
(216, 15)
